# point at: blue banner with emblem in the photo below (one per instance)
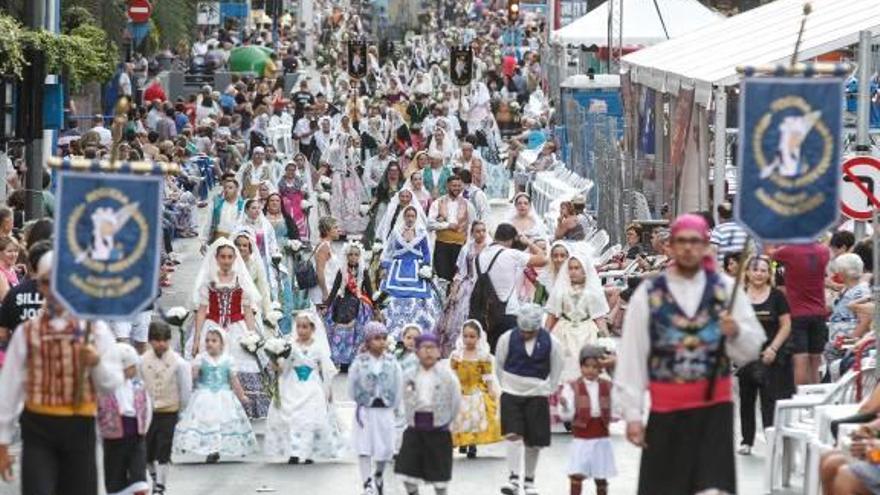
(107, 243)
(789, 157)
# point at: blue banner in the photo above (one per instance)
(789, 157)
(107, 243)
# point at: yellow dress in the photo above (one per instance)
(477, 422)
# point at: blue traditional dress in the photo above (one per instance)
(411, 298)
(214, 421)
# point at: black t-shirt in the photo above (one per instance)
(20, 304)
(769, 311)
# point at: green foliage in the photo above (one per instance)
(84, 55)
(11, 53)
(76, 16)
(175, 21)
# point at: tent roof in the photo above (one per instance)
(765, 35)
(641, 24)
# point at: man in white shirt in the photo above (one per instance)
(106, 137)
(57, 412)
(451, 217)
(304, 131)
(505, 267)
(475, 196)
(225, 213)
(679, 338)
(125, 80)
(528, 363)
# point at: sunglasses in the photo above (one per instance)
(693, 241)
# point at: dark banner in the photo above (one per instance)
(107, 243)
(789, 157)
(461, 65)
(357, 59)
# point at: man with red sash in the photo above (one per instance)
(55, 375)
(679, 336)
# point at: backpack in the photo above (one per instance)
(485, 306)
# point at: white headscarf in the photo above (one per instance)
(385, 226)
(390, 250)
(548, 275)
(262, 282)
(593, 294)
(539, 229)
(320, 335)
(483, 350)
(209, 270)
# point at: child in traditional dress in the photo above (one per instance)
(214, 423)
(374, 381)
(406, 357)
(586, 403)
(168, 381)
(300, 425)
(433, 398)
(477, 422)
(577, 308)
(123, 419)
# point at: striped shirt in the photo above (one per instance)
(729, 238)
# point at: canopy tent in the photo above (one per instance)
(765, 35)
(249, 59)
(641, 23)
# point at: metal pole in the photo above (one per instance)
(875, 292)
(720, 148)
(863, 116)
(36, 15)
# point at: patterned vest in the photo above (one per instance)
(581, 426)
(685, 351)
(53, 368)
(519, 362)
(110, 420)
(160, 379)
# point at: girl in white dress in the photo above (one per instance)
(301, 424)
(577, 309)
(214, 422)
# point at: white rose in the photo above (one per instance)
(178, 312)
(607, 343)
(324, 196)
(365, 209)
(295, 244)
(305, 204)
(426, 272)
(325, 180)
(377, 247)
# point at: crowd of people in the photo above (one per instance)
(373, 249)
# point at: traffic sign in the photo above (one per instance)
(139, 11)
(860, 187)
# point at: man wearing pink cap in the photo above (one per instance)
(678, 340)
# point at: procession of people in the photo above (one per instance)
(392, 244)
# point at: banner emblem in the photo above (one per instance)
(461, 65)
(107, 243)
(789, 157)
(357, 59)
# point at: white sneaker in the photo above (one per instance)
(512, 486)
(529, 487)
(744, 450)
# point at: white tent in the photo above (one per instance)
(766, 35)
(641, 23)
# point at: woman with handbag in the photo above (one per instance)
(349, 307)
(772, 375)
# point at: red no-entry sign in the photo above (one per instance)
(139, 11)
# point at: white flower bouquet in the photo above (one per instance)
(365, 208)
(278, 349)
(608, 344)
(273, 317)
(251, 343)
(306, 205)
(324, 196)
(325, 182)
(426, 272)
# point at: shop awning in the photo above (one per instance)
(765, 35)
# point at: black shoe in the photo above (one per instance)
(293, 460)
(463, 449)
(308, 461)
(512, 486)
(567, 426)
(472, 452)
(158, 489)
(212, 458)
